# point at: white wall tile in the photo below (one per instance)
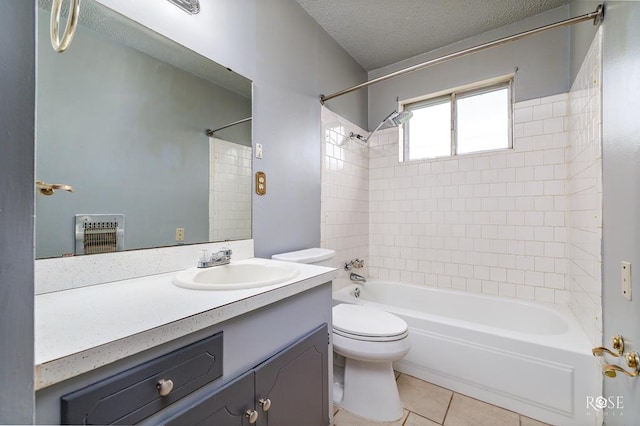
(515, 223)
(346, 209)
(584, 197)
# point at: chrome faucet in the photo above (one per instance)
(222, 257)
(357, 278)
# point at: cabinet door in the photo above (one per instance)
(226, 407)
(295, 381)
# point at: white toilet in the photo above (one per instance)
(369, 340)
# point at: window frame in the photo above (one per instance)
(452, 95)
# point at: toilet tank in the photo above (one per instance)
(314, 256)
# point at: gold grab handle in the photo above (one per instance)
(632, 361)
(48, 188)
(611, 370)
(70, 29)
(618, 344)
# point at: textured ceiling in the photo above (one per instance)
(381, 32)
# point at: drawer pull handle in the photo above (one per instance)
(164, 386)
(265, 403)
(252, 415)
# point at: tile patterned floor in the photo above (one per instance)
(426, 404)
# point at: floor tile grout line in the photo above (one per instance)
(446, 413)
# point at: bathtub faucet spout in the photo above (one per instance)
(357, 278)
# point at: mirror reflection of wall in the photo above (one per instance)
(230, 191)
(127, 131)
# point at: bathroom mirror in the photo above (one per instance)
(121, 117)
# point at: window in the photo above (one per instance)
(460, 122)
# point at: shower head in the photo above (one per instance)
(394, 119)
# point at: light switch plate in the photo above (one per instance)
(258, 150)
(625, 279)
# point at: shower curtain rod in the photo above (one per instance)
(597, 16)
(210, 132)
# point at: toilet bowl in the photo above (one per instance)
(370, 340)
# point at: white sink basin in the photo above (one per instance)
(235, 276)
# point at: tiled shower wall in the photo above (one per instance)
(584, 193)
(345, 194)
(229, 191)
(523, 222)
(492, 223)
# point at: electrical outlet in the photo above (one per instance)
(258, 150)
(179, 234)
(625, 279)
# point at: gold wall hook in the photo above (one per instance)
(618, 345)
(49, 188)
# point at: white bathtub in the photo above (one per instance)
(527, 357)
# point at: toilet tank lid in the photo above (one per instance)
(311, 255)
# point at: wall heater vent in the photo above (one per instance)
(99, 233)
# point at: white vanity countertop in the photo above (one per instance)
(82, 329)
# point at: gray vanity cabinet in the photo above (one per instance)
(289, 388)
(294, 384)
(227, 406)
(132, 395)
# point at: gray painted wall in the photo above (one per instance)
(542, 62)
(581, 36)
(621, 179)
(127, 132)
(291, 61)
(17, 99)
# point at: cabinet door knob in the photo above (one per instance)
(252, 415)
(164, 386)
(265, 403)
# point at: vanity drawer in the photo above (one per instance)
(134, 394)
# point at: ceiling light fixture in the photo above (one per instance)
(190, 6)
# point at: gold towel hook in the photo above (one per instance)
(49, 188)
(69, 30)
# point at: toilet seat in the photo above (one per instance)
(367, 324)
